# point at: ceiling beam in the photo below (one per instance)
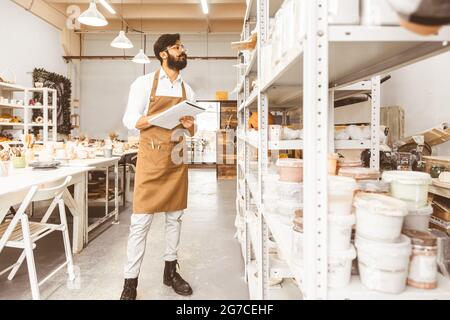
(172, 25)
(118, 2)
(228, 11)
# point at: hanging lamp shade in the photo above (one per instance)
(122, 42)
(141, 58)
(92, 17)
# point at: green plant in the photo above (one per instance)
(63, 86)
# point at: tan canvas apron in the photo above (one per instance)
(160, 185)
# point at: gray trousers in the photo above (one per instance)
(139, 227)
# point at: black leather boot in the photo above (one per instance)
(129, 289)
(173, 279)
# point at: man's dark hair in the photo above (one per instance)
(164, 41)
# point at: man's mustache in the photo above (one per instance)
(182, 55)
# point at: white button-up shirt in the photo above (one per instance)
(140, 91)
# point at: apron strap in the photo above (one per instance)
(183, 89)
(155, 85)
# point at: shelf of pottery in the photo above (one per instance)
(296, 204)
(16, 113)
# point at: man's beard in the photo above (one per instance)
(177, 64)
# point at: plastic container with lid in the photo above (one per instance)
(423, 265)
(383, 266)
(340, 267)
(287, 210)
(340, 194)
(297, 247)
(298, 222)
(275, 132)
(373, 186)
(290, 170)
(344, 163)
(340, 231)
(344, 12)
(409, 186)
(418, 219)
(271, 182)
(379, 217)
(379, 12)
(358, 173)
(291, 190)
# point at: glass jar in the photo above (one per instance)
(423, 266)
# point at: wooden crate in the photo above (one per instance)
(433, 136)
(394, 119)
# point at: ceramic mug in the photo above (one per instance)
(45, 156)
(61, 154)
(82, 153)
(19, 162)
(4, 168)
(107, 152)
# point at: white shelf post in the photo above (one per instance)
(263, 150)
(45, 111)
(26, 112)
(55, 115)
(315, 118)
(331, 122)
(375, 123)
(246, 94)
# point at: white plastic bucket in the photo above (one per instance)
(287, 209)
(340, 267)
(271, 182)
(291, 190)
(340, 194)
(340, 231)
(383, 266)
(409, 186)
(379, 217)
(290, 170)
(418, 219)
(275, 132)
(297, 248)
(378, 13)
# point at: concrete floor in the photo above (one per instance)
(209, 256)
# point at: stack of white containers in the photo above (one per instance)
(340, 222)
(286, 32)
(383, 252)
(412, 188)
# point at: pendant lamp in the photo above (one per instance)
(92, 17)
(121, 41)
(141, 58)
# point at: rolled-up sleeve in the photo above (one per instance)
(136, 104)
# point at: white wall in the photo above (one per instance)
(105, 83)
(422, 89)
(27, 42)
(356, 113)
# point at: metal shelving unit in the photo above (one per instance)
(26, 125)
(330, 64)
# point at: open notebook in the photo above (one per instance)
(170, 118)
